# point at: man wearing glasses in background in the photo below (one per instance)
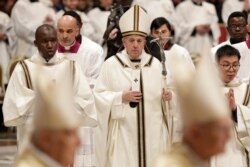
(237, 94)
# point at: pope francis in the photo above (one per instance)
(129, 97)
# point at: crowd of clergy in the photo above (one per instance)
(143, 83)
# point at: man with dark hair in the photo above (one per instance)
(20, 95)
(71, 5)
(161, 26)
(237, 94)
(27, 16)
(237, 29)
(228, 51)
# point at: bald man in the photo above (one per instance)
(18, 104)
(89, 55)
(82, 50)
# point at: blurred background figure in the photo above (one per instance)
(7, 5)
(26, 19)
(193, 31)
(99, 17)
(87, 29)
(165, 8)
(8, 42)
(85, 5)
(230, 6)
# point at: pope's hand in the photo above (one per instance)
(131, 96)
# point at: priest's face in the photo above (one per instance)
(134, 44)
(229, 67)
(209, 139)
(61, 145)
(67, 30)
(164, 30)
(106, 3)
(237, 28)
(215, 135)
(46, 42)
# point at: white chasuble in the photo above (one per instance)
(129, 135)
(235, 153)
(18, 106)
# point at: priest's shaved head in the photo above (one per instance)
(46, 41)
(67, 30)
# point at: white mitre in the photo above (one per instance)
(135, 21)
(54, 108)
(199, 93)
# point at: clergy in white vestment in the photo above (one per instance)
(75, 47)
(244, 71)
(7, 44)
(237, 93)
(86, 30)
(129, 96)
(99, 18)
(236, 28)
(165, 8)
(18, 103)
(196, 25)
(205, 116)
(26, 17)
(161, 27)
(89, 55)
(230, 6)
(53, 139)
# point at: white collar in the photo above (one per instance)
(68, 47)
(145, 58)
(43, 156)
(38, 58)
(234, 83)
(193, 156)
